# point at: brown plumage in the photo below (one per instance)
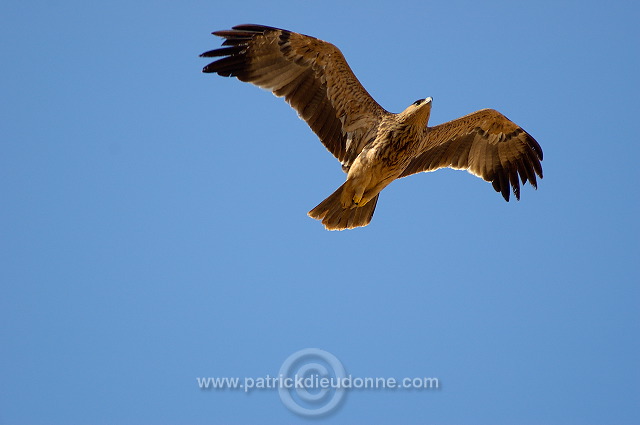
(374, 146)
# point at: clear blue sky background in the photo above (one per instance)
(154, 228)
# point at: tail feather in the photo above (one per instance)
(335, 217)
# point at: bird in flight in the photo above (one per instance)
(374, 146)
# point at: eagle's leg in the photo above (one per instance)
(357, 198)
(355, 189)
(360, 195)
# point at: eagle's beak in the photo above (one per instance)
(428, 100)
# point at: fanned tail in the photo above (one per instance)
(335, 217)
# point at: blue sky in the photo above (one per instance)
(154, 227)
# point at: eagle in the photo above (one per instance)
(374, 146)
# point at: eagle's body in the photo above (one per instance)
(387, 156)
(374, 146)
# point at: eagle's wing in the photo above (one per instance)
(486, 144)
(311, 74)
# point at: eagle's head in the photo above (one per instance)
(418, 112)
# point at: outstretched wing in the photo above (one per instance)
(313, 77)
(485, 143)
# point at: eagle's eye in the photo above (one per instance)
(418, 102)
